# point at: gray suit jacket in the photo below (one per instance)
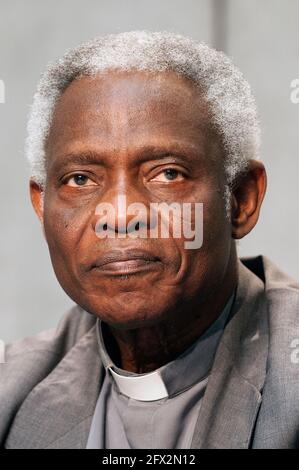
(50, 383)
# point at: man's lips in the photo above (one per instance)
(126, 261)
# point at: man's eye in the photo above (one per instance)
(170, 174)
(80, 180)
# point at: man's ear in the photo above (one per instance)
(36, 195)
(247, 198)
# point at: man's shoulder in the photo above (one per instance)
(281, 295)
(281, 387)
(55, 341)
(281, 290)
(27, 362)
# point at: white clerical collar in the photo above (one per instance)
(144, 387)
(174, 377)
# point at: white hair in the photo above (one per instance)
(232, 105)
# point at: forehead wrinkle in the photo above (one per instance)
(128, 116)
(165, 89)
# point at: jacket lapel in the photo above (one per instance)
(58, 412)
(233, 396)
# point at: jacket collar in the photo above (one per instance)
(233, 395)
(57, 414)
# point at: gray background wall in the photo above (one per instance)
(262, 37)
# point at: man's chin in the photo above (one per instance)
(134, 322)
(120, 284)
(130, 316)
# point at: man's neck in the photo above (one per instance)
(146, 349)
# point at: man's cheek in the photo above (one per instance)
(59, 230)
(65, 218)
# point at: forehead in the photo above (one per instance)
(127, 110)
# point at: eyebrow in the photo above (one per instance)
(180, 152)
(143, 154)
(79, 158)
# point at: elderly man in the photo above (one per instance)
(170, 344)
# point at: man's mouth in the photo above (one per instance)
(122, 262)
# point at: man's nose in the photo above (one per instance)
(122, 212)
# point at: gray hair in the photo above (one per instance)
(223, 86)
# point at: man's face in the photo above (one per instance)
(147, 137)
